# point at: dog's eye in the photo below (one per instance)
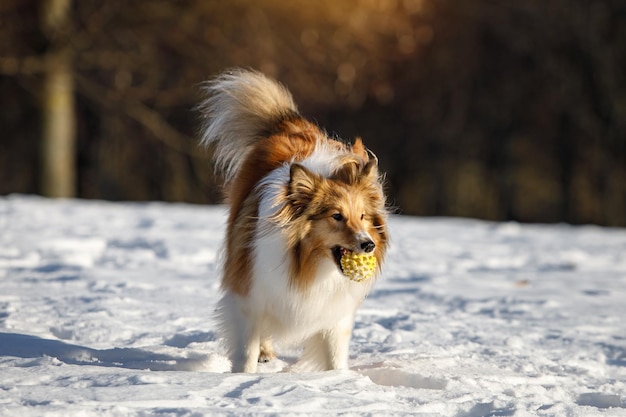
(362, 216)
(338, 217)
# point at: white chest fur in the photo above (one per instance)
(290, 312)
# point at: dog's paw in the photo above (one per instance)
(266, 353)
(266, 357)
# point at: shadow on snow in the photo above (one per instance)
(26, 346)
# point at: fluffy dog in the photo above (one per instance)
(299, 200)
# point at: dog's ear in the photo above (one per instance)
(370, 170)
(358, 148)
(302, 185)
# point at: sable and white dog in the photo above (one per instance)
(298, 201)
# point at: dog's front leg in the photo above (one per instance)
(327, 349)
(337, 342)
(245, 354)
(241, 332)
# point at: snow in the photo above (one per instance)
(106, 310)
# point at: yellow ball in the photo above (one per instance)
(358, 266)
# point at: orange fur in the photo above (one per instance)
(294, 140)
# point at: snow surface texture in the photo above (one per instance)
(105, 310)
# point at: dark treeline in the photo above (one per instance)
(502, 110)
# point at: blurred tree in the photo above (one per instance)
(493, 109)
(58, 175)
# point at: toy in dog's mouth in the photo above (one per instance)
(356, 266)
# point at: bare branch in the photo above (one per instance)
(147, 117)
(14, 66)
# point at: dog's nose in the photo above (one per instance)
(368, 246)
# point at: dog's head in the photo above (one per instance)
(343, 212)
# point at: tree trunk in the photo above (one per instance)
(58, 174)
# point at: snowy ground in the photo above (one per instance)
(105, 310)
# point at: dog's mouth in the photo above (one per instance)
(338, 252)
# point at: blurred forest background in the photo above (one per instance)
(495, 109)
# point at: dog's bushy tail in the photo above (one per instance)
(239, 108)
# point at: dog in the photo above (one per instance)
(298, 199)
